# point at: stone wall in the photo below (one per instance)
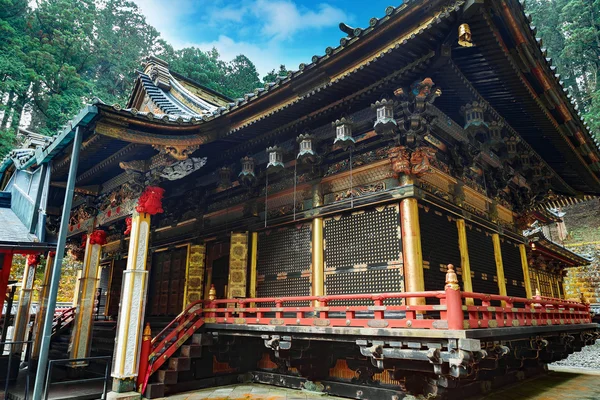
(582, 222)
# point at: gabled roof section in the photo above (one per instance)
(541, 244)
(158, 91)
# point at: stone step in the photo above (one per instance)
(179, 363)
(191, 350)
(167, 376)
(202, 339)
(155, 391)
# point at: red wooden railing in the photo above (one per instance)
(171, 338)
(450, 313)
(62, 320)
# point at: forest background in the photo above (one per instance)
(60, 54)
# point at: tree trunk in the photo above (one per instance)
(18, 111)
(8, 110)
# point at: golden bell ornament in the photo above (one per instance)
(464, 36)
(212, 293)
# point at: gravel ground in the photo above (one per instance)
(588, 357)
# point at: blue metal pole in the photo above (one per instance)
(55, 278)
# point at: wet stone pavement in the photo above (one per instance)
(251, 392)
(567, 384)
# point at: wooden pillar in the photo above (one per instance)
(22, 318)
(194, 281)
(238, 265)
(465, 264)
(253, 264)
(81, 333)
(43, 305)
(131, 312)
(318, 260)
(4, 277)
(411, 248)
(499, 264)
(526, 276)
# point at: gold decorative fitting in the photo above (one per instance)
(178, 152)
(212, 293)
(464, 36)
(147, 332)
(451, 278)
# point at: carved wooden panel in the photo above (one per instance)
(194, 284)
(238, 265)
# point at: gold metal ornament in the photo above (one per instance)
(464, 36)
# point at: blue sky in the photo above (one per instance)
(269, 32)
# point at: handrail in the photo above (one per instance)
(62, 320)
(177, 318)
(105, 378)
(182, 327)
(8, 369)
(451, 313)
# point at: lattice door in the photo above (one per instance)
(363, 253)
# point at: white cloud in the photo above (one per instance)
(260, 29)
(283, 18)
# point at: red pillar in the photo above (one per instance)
(144, 356)
(453, 300)
(4, 276)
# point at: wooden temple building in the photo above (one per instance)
(369, 226)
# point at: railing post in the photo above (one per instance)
(144, 355)
(453, 301)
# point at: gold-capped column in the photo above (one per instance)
(43, 301)
(254, 265)
(414, 280)
(194, 280)
(499, 264)
(318, 263)
(22, 319)
(465, 264)
(526, 276)
(131, 311)
(238, 265)
(81, 334)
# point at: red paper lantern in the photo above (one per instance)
(128, 221)
(33, 259)
(98, 237)
(150, 202)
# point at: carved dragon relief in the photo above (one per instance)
(173, 163)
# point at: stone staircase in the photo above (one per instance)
(183, 369)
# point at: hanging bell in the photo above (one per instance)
(464, 36)
(247, 177)
(343, 133)
(385, 123)
(224, 178)
(307, 153)
(275, 159)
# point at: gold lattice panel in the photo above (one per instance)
(238, 263)
(194, 283)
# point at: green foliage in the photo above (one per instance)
(233, 79)
(58, 55)
(570, 30)
(273, 75)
